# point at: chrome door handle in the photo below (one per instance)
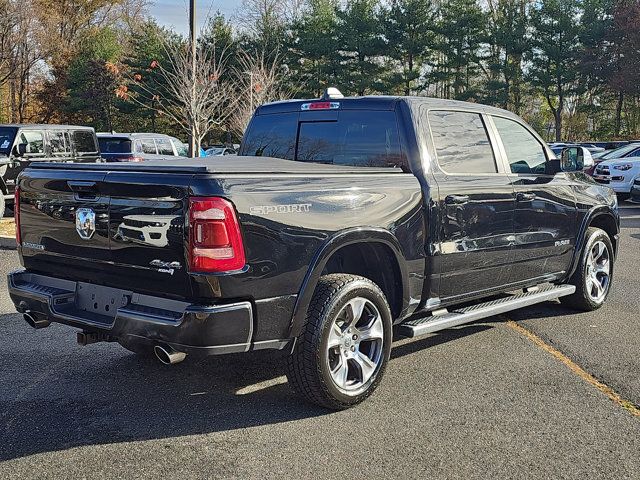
(525, 197)
(456, 199)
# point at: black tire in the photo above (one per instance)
(623, 196)
(582, 299)
(308, 366)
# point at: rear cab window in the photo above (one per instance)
(363, 138)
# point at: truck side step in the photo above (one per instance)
(433, 323)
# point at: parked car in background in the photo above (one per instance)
(220, 151)
(628, 150)
(559, 146)
(591, 147)
(611, 145)
(135, 147)
(635, 190)
(619, 174)
(22, 144)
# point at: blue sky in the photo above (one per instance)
(174, 13)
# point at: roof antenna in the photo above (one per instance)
(331, 93)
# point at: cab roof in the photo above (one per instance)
(374, 102)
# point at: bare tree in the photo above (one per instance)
(257, 80)
(19, 55)
(196, 110)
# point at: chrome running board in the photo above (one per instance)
(433, 323)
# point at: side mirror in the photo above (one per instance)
(20, 150)
(572, 159)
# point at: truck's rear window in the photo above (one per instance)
(115, 145)
(356, 138)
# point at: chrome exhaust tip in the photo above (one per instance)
(35, 322)
(168, 355)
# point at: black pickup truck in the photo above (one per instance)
(340, 220)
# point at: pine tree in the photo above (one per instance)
(554, 58)
(361, 46)
(508, 43)
(313, 51)
(461, 32)
(409, 41)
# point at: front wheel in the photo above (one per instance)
(593, 275)
(340, 356)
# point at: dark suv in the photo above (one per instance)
(22, 144)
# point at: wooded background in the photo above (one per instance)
(569, 67)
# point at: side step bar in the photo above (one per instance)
(434, 323)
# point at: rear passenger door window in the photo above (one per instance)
(148, 146)
(461, 142)
(164, 146)
(59, 143)
(524, 152)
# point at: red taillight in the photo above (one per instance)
(16, 214)
(215, 241)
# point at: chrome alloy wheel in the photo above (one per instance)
(598, 274)
(354, 347)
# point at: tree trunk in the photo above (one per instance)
(558, 119)
(618, 123)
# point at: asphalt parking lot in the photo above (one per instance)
(538, 393)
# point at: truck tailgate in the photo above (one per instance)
(126, 230)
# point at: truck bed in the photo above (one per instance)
(220, 165)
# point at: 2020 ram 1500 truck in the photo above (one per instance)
(340, 218)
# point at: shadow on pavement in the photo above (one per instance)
(55, 395)
(77, 397)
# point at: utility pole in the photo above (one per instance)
(193, 150)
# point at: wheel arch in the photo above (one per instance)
(392, 278)
(600, 217)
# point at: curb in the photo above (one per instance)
(8, 243)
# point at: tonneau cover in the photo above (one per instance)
(219, 165)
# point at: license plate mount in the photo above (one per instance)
(100, 300)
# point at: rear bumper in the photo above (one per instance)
(135, 318)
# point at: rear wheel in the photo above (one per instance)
(593, 275)
(340, 356)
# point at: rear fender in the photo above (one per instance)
(332, 245)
